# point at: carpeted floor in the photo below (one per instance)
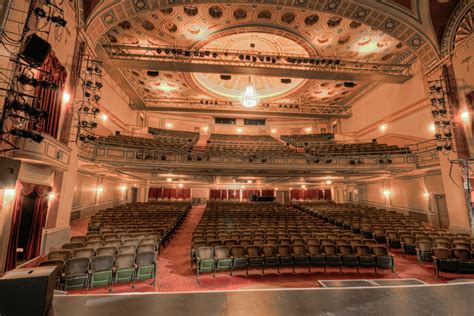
(175, 274)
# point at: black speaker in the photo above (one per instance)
(226, 77)
(27, 291)
(285, 80)
(9, 169)
(34, 50)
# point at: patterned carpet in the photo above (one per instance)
(175, 274)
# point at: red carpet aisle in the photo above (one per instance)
(175, 274)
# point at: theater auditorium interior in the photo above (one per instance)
(280, 157)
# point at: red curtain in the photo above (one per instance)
(320, 195)
(327, 194)
(233, 194)
(51, 100)
(296, 194)
(40, 211)
(214, 194)
(183, 193)
(268, 193)
(224, 195)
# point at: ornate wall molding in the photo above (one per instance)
(459, 26)
(106, 16)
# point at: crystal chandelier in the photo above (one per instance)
(249, 97)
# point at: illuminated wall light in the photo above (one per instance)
(383, 127)
(9, 194)
(123, 188)
(308, 129)
(66, 97)
(386, 193)
(169, 179)
(51, 196)
(273, 131)
(276, 189)
(205, 128)
(180, 185)
(328, 182)
(239, 130)
(242, 186)
(100, 189)
(465, 116)
(104, 117)
(426, 194)
(432, 127)
(169, 125)
(249, 181)
(303, 186)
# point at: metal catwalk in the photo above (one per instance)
(449, 299)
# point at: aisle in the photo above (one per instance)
(175, 274)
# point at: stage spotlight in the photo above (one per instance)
(447, 146)
(317, 61)
(59, 21)
(167, 50)
(36, 137)
(91, 138)
(316, 160)
(329, 62)
(352, 162)
(39, 12)
(196, 54)
(349, 84)
(35, 112)
(158, 50)
(328, 160)
(323, 61)
(98, 85)
(437, 136)
(381, 161)
(25, 80)
(448, 135)
(82, 137)
(337, 62)
(84, 109)
(274, 60)
(16, 105)
(96, 98)
(207, 53)
(214, 55)
(95, 110)
(88, 83)
(48, 85)
(389, 161)
(439, 148)
(173, 51)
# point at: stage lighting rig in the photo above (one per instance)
(441, 115)
(24, 133)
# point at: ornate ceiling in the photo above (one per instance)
(329, 28)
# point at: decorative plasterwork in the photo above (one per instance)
(459, 27)
(109, 15)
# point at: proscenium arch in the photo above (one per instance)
(449, 36)
(106, 16)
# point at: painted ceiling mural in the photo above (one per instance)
(257, 29)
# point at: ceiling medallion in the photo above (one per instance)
(249, 97)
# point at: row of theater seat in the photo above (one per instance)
(121, 232)
(273, 226)
(448, 251)
(221, 258)
(103, 269)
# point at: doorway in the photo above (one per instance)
(134, 195)
(442, 211)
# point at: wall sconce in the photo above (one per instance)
(465, 116)
(328, 182)
(100, 189)
(383, 127)
(426, 195)
(9, 194)
(386, 193)
(51, 196)
(66, 97)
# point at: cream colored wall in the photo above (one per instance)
(93, 193)
(386, 100)
(408, 194)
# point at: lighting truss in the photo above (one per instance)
(246, 62)
(206, 105)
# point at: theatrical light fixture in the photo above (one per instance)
(59, 21)
(40, 13)
(95, 110)
(22, 133)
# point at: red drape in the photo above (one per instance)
(51, 100)
(224, 195)
(320, 195)
(33, 247)
(327, 194)
(234, 194)
(268, 193)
